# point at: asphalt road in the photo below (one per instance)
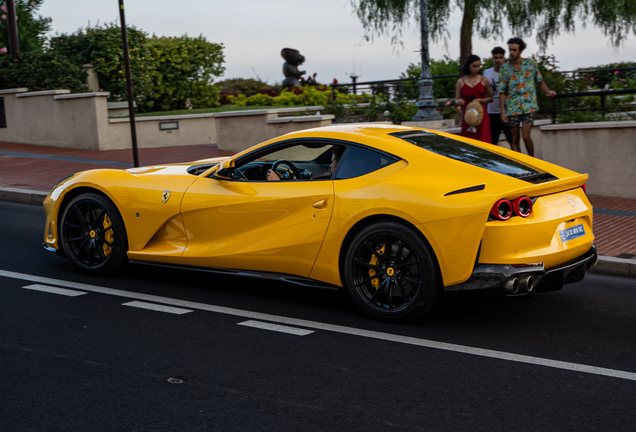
(91, 356)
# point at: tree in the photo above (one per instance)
(185, 68)
(101, 47)
(32, 28)
(166, 72)
(616, 18)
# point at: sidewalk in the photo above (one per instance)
(29, 172)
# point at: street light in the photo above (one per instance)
(13, 30)
(426, 104)
(129, 88)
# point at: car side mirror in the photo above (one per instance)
(226, 170)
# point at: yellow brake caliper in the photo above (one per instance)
(375, 261)
(109, 235)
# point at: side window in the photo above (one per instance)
(359, 161)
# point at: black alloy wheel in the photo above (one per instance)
(93, 235)
(390, 274)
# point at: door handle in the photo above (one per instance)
(321, 205)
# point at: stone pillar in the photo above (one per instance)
(91, 79)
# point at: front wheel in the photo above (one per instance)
(93, 235)
(390, 274)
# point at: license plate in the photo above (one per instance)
(572, 233)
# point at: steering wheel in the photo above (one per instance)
(294, 171)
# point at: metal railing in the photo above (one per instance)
(390, 88)
(600, 93)
(394, 88)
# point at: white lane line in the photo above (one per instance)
(159, 308)
(500, 355)
(276, 327)
(54, 290)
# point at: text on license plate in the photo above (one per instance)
(572, 233)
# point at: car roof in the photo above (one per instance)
(375, 135)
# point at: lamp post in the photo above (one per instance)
(129, 88)
(13, 29)
(426, 104)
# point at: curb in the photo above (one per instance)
(615, 266)
(24, 196)
(604, 265)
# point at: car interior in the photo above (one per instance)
(308, 161)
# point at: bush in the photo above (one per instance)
(101, 47)
(292, 97)
(32, 29)
(584, 82)
(400, 111)
(184, 69)
(41, 71)
(166, 71)
(337, 109)
(443, 88)
(243, 86)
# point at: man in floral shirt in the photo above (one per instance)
(518, 95)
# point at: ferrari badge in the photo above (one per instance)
(165, 196)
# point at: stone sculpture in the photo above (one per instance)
(293, 59)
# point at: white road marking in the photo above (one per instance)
(500, 355)
(276, 327)
(159, 308)
(54, 290)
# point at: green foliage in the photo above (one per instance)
(373, 111)
(307, 95)
(101, 47)
(41, 71)
(166, 72)
(443, 88)
(584, 82)
(400, 111)
(184, 69)
(610, 78)
(32, 28)
(254, 100)
(244, 86)
(488, 19)
(337, 109)
(295, 96)
(449, 110)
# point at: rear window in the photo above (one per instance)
(473, 155)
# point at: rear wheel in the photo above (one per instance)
(390, 274)
(93, 235)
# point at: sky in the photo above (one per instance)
(326, 32)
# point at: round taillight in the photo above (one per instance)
(522, 206)
(502, 210)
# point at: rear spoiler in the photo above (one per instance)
(551, 187)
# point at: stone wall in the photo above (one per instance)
(604, 150)
(80, 121)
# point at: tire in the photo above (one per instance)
(93, 235)
(395, 283)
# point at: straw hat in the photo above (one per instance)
(473, 114)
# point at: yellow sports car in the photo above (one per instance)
(395, 215)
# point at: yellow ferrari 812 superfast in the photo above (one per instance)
(394, 215)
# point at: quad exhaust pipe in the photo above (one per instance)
(519, 285)
(526, 283)
(511, 286)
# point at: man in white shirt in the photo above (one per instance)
(494, 110)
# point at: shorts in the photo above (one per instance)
(516, 120)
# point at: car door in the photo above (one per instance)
(275, 226)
